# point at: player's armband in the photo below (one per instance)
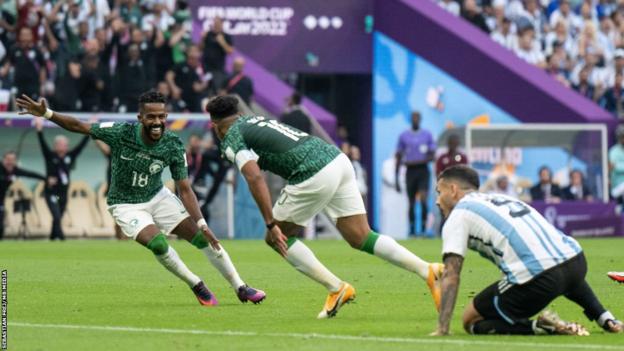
(244, 156)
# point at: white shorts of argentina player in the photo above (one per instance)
(333, 189)
(164, 210)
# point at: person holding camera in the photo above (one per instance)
(9, 171)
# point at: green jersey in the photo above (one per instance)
(278, 148)
(136, 168)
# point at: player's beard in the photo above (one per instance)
(154, 132)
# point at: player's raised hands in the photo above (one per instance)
(30, 106)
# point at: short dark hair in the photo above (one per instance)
(152, 96)
(463, 174)
(222, 107)
(9, 152)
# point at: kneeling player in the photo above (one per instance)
(538, 262)
(144, 209)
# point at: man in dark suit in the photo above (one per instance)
(545, 190)
(577, 190)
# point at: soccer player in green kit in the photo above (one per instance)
(145, 209)
(320, 178)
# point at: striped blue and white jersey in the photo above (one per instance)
(508, 232)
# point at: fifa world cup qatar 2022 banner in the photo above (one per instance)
(294, 35)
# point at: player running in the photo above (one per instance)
(538, 262)
(320, 178)
(145, 210)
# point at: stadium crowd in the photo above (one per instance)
(580, 43)
(99, 55)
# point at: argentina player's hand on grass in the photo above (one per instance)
(30, 106)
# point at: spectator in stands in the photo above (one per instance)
(584, 86)
(532, 14)
(505, 34)
(90, 84)
(415, 150)
(67, 88)
(132, 77)
(238, 83)
(179, 40)
(190, 80)
(450, 5)
(471, 13)
(452, 157)
(577, 190)
(613, 98)
(174, 103)
(588, 41)
(607, 37)
(29, 65)
(558, 66)
(564, 13)
(616, 166)
(158, 18)
(295, 116)
(147, 42)
(545, 189)
(560, 37)
(59, 163)
(29, 16)
(103, 48)
(216, 45)
(528, 49)
(616, 67)
(9, 170)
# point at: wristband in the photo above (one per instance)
(271, 225)
(201, 222)
(48, 114)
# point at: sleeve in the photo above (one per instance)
(44, 145)
(78, 149)
(179, 164)
(455, 234)
(24, 173)
(108, 132)
(236, 150)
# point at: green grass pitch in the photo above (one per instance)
(105, 295)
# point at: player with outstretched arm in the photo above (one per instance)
(146, 210)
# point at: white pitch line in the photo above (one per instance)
(431, 340)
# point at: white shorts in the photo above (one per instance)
(333, 190)
(164, 210)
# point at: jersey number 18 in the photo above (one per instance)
(139, 179)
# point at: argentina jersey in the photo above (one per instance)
(508, 232)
